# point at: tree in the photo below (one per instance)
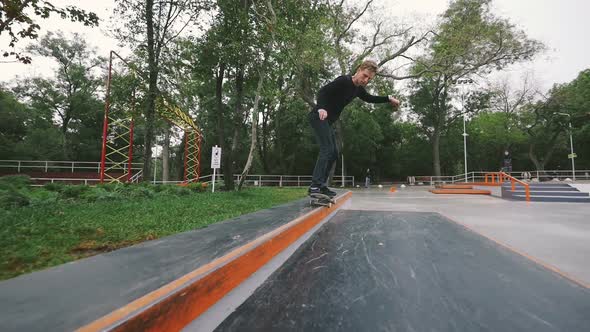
(470, 41)
(70, 96)
(152, 25)
(13, 118)
(20, 15)
(545, 122)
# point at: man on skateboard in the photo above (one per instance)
(331, 100)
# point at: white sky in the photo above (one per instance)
(562, 25)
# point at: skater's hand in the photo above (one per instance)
(394, 102)
(323, 114)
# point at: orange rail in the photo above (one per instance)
(490, 178)
(501, 176)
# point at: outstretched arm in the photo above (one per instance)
(365, 96)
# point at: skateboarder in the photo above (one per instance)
(331, 99)
(507, 162)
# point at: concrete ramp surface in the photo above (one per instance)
(409, 271)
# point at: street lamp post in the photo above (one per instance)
(572, 155)
(464, 81)
(465, 146)
(155, 162)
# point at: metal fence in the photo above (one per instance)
(266, 180)
(542, 176)
(47, 166)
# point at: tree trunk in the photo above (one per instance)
(253, 135)
(263, 147)
(64, 142)
(540, 166)
(166, 155)
(228, 154)
(152, 92)
(436, 152)
(219, 104)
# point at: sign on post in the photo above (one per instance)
(572, 155)
(215, 162)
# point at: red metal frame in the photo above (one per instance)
(192, 156)
(106, 120)
(119, 126)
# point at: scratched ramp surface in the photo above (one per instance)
(407, 271)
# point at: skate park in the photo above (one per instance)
(294, 165)
(405, 260)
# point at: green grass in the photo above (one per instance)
(35, 237)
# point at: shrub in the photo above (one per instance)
(140, 192)
(15, 182)
(97, 193)
(73, 191)
(197, 186)
(42, 196)
(175, 190)
(57, 187)
(12, 198)
(111, 187)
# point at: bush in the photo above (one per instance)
(42, 196)
(159, 188)
(15, 182)
(197, 186)
(140, 192)
(57, 187)
(73, 191)
(97, 194)
(175, 190)
(111, 187)
(12, 198)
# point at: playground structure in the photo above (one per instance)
(119, 124)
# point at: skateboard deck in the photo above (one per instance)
(321, 200)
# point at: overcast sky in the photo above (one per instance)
(562, 25)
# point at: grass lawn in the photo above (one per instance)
(36, 237)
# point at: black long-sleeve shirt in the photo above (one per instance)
(334, 96)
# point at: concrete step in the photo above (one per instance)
(541, 184)
(454, 186)
(461, 191)
(537, 198)
(552, 188)
(477, 184)
(548, 193)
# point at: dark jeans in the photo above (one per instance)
(325, 137)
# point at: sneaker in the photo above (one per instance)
(326, 191)
(314, 190)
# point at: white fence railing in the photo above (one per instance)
(46, 166)
(545, 175)
(42, 181)
(274, 180)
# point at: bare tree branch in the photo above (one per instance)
(356, 18)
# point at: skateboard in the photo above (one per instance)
(321, 200)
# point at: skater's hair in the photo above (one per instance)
(369, 65)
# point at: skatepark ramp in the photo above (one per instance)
(159, 285)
